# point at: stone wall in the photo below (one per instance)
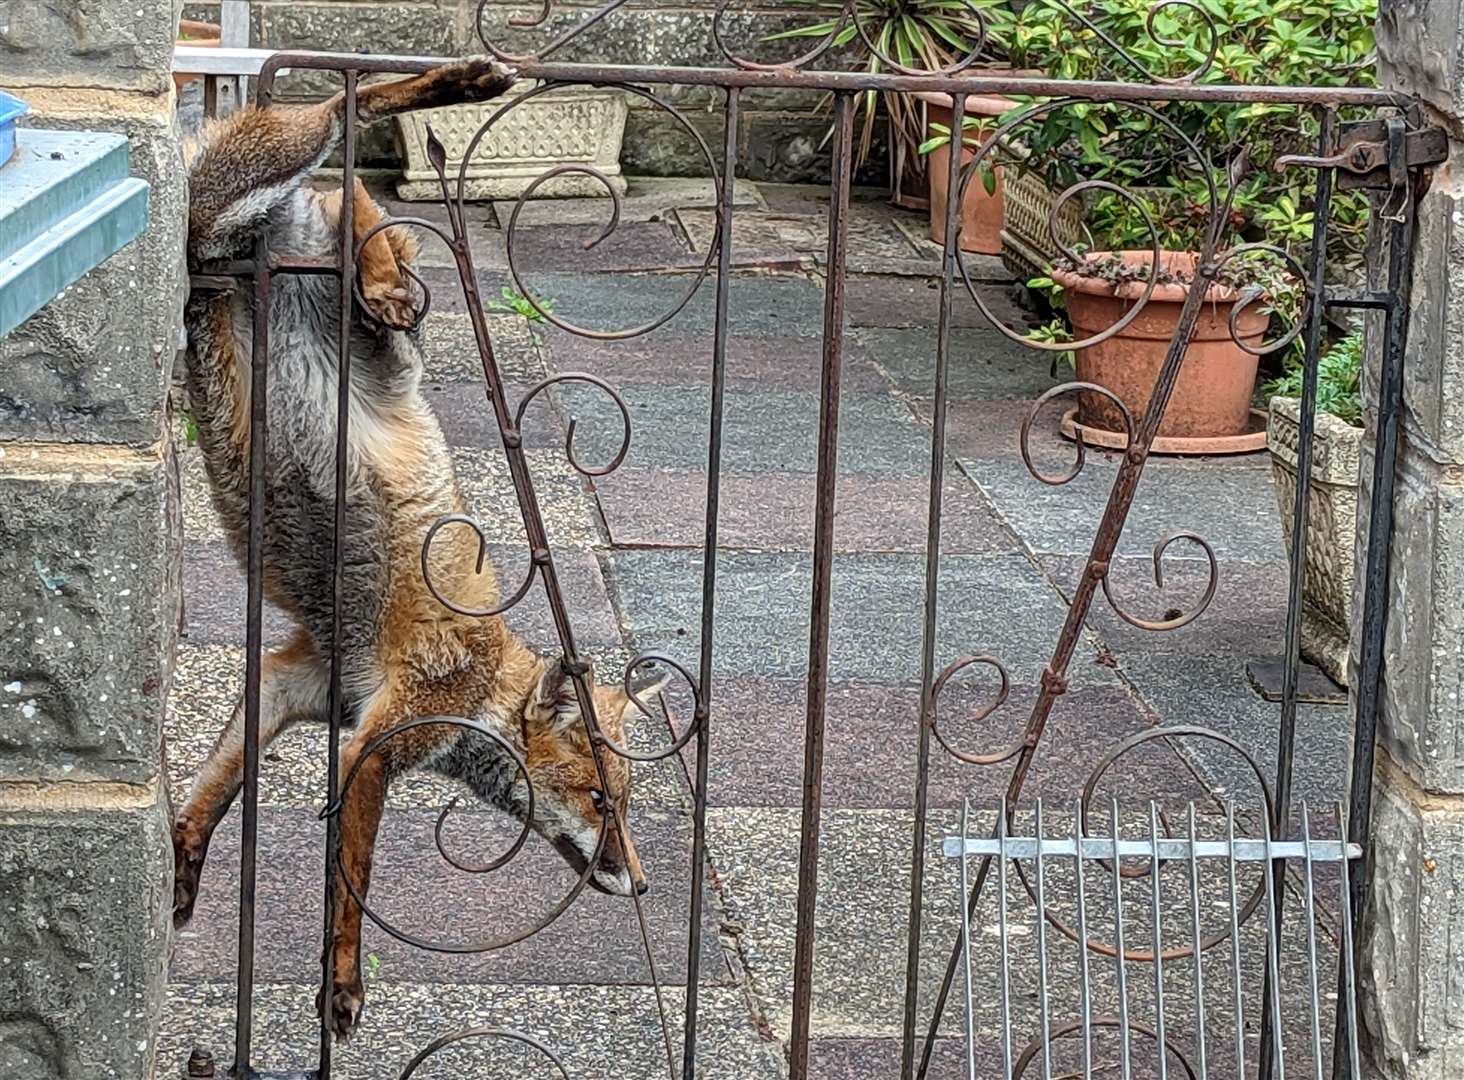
(1413, 970)
(782, 131)
(89, 576)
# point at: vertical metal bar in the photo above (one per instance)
(253, 657)
(1347, 997)
(1379, 547)
(1272, 1003)
(1157, 894)
(1118, 954)
(335, 703)
(1005, 943)
(709, 580)
(1197, 932)
(1310, 911)
(1316, 287)
(1085, 985)
(1235, 981)
(966, 946)
(932, 579)
(823, 545)
(1043, 1012)
(211, 96)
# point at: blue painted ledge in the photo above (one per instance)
(67, 203)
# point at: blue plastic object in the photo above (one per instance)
(11, 110)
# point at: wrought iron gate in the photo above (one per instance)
(1386, 154)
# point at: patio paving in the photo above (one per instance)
(629, 548)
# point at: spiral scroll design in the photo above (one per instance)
(699, 710)
(1172, 622)
(950, 671)
(1081, 452)
(508, 1034)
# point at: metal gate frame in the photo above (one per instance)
(1389, 155)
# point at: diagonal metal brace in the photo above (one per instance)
(1377, 154)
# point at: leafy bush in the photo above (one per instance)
(1339, 380)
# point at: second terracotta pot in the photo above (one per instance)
(1212, 396)
(981, 213)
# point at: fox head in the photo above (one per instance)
(572, 803)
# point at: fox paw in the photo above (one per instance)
(393, 308)
(480, 77)
(188, 855)
(347, 999)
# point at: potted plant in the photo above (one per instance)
(1331, 509)
(202, 35)
(982, 201)
(928, 35)
(576, 125)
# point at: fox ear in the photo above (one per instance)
(554, 697)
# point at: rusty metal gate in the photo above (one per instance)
(1369, 140)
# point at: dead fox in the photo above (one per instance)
(405, 656)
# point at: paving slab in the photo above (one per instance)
(452, 349)
(775, 511)
(996, 605)
(671, 358)
(877, 300)
(599, 1033)
(647, 198)
(776, 241)
(1215, 692)
(577, 247)
(984, 366)
(1233, 509)
(871, 734)
(763, 431)
(595, 941)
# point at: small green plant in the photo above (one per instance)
(373, 967)
(974, 130)
(1339, 380)
(514, 302)
(1055, 332)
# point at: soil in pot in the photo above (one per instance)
(201, 35)
(1212, 397)
(981, 211)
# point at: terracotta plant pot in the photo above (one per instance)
(981, 213)
(200, 35)
(1212, 397)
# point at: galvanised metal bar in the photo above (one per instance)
(823, 555)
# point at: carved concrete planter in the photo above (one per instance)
(576, 125)
(1331, 526)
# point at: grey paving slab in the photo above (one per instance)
(572, 247)
(984, 366)
(600, 1033)
(1214, 692)
(773, 511)
(671, 358)
(567, 508)
(452, 349)
(467, 417)
(595, 941)
(647, 198)
(1234, 509)
(758, 238)
(1247, 614)
(878, 300)
(763, 431)
(871, 735)
(988, 604)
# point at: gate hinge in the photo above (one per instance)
(1378, 154)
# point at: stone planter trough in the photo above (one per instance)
(1331, 528)
(577, 125)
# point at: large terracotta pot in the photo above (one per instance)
(1212, 397)
(201, 35)
(981, 213)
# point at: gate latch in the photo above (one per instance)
(1377, 153)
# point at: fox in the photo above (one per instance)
(404, 655)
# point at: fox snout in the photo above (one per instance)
(619, 870)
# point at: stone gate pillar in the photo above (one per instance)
(1412, 976)
(89, 576)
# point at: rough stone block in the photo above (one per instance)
(1422, 721)
(1419, 51)
(88, 598)
(116, 44)
(1434, 373)
(87, 882)
(93, 365)
(1410, 976)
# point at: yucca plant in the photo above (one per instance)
(927, 35)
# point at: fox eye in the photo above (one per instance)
(598, 798)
